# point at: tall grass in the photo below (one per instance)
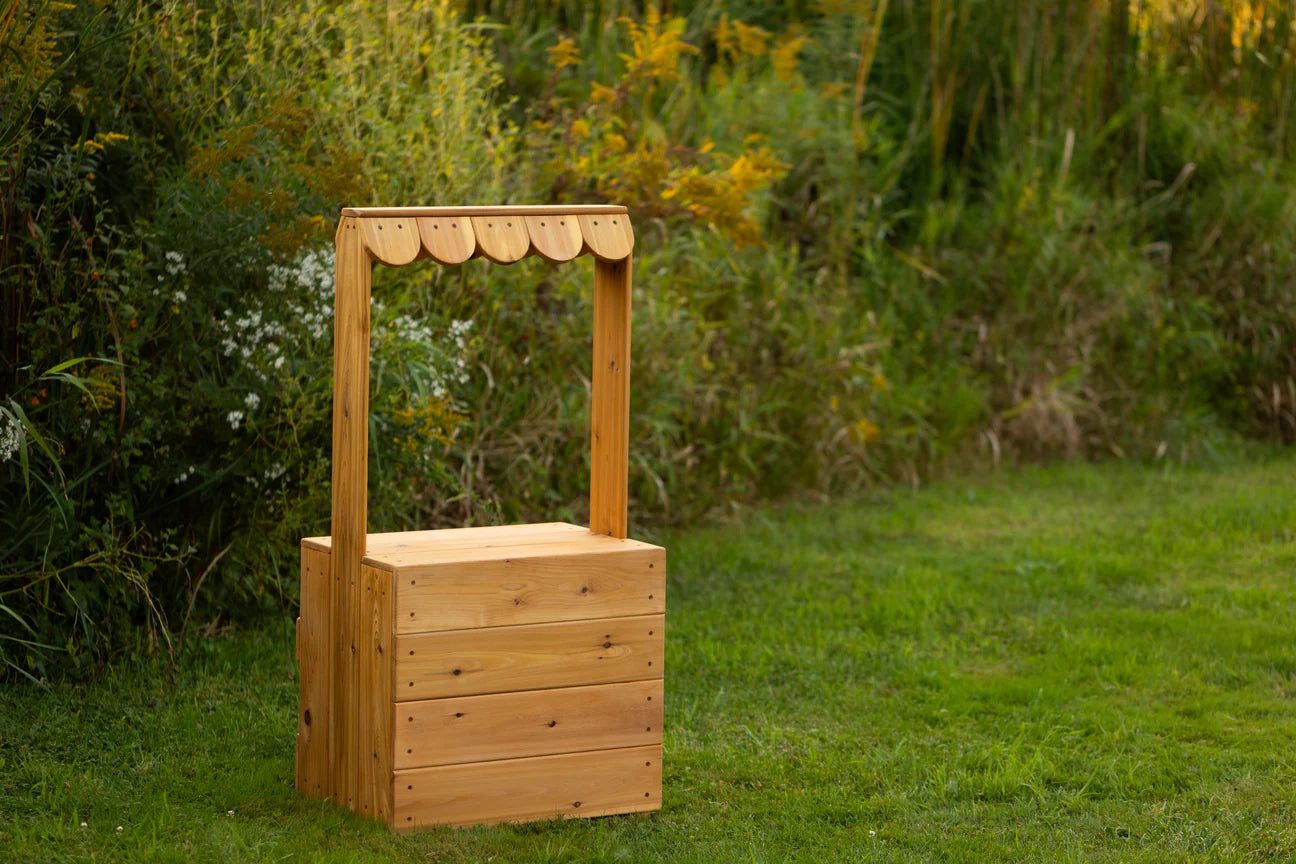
(877, 238)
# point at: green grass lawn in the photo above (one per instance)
(1067, 663)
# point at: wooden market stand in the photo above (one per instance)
(492, 674)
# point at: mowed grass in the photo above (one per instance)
(1057, 664)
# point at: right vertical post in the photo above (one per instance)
(610, 408)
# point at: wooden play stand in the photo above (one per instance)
(475, 675)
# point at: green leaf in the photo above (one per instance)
(68, 364)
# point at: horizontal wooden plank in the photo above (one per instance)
(529, 657)
(597, 783)
(500, 210)
(530, 723)
(456, 538)
(404, 548)
(530, 589)
(416, 562)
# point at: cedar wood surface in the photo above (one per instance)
(545, 640)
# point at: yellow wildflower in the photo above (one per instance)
(601, 94)
(564, 54)
(865, 431)
(784, 55)
(735, 40)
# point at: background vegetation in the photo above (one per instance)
(875, 239)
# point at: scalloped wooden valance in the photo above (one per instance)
(397, 236)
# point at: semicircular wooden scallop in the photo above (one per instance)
(502, 239)
(448, 239)
(609, 237)
(555, 238)
(394, 240)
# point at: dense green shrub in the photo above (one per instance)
(873, 238)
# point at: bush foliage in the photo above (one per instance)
(874, 238)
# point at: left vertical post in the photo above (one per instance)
(350, 505)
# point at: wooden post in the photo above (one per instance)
(610, 409)
(350, 502)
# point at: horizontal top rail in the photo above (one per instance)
(501, 210)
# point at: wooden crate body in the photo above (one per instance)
(510, 673)
(479, 675)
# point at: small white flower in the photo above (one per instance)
(180, 296)
(119, 829)
(229, 812)
(9, 440)
(872, 833)
(279, 361)
(235, 418)
(175, 264)
(252, 400)
(83, 825)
